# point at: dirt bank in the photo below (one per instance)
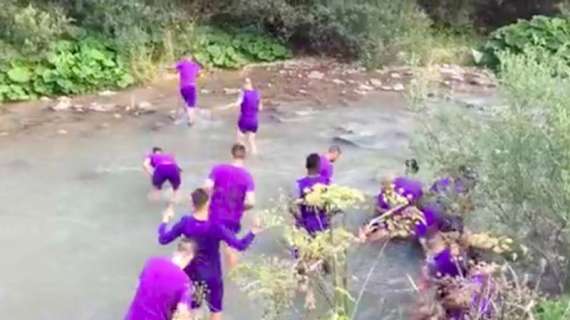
(319, 83)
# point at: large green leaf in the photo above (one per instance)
(19, 74)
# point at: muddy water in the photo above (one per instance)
(76, 226)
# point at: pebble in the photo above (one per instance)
(395, 75)
(376, 82)
(316, 75)
(303, 91)
(62, 131)
(398, 87)
(205, 91)
(364, 87)
(338, 81)
(117, 116)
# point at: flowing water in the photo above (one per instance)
(76, 225)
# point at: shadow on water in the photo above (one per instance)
(76, 226)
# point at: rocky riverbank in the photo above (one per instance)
(319, 83)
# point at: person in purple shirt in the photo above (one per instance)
(233, 192)
(327, 161)
(311, 219)
(206, 267)
(162, 167)
(188, 71)
(164, 288)
(250, 104)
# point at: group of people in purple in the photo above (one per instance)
(171, 288)
(249, 102)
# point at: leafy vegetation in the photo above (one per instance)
(231, 50)
(552, 35)
(554, 309)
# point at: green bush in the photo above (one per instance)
(549, 34)
(69, 67)
(554, 309)
(223, 49)
(520, 152)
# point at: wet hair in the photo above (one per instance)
(199, 198)
(412, 165)
(313, 163)
(335, 148)
(238, 151)
(156, 149)
(186, 246)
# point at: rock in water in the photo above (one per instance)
(62, 131)
(63, 104)
(398, 87)
(376, 83)
(101, 107)
(145, 107)
(316, 75)
(107, 93)
(230, 91)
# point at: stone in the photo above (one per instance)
(63, 104)
(3, 134)
(338, 81)
(316, 75)
(301, 91)
(78, 108)
(269, 85)
(376, 82)
(94, 106)
(107, 93)
(386, 88)
(145, 107)
(364, 87)
(398, 87)
(360, 92)
(395, 75)
(117, 116)
(62, 131)
(205, 91)
(230, 91)
(45, 99)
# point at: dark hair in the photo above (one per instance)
(313, 163)
(412, 165)
(156, 149)
(199, 198)
(451, 223)
(186, 246)
(238, 151)
(335, 148)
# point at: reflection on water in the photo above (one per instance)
(76, 225)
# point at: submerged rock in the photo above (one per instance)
(62, 131)
(63, 104)
(316, 75)
(145, 107)
(376, 82)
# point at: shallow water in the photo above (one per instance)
(76, 226)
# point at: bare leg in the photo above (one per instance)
(154, 194)
(240, 137)
(251, 140)
(191, 113)
(216, 316)
(174, 198)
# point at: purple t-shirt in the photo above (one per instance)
(231, 183)
(206, 263)
(403, 186)
(188, 71)
(327, 169)
(312, 219)
(249, 106)
(159, 159)
(162, 286)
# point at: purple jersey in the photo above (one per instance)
(206, 267)
(162, 286)
(406, 187)
(432, 214)
(445, 264)
(231, 184)
(447, 185)
(188, 71)
(249, 106)
(327, 169)
(159, 159)
(312, 219)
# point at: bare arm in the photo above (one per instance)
(249, 200)
(148, 167)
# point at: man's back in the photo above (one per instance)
(162, 285)
(231, 184)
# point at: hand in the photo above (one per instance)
(256, 228)
(362, 234)
(168, 214)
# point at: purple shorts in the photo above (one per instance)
(247, 126)
(169, 172)
(188, 93)
(213, 294)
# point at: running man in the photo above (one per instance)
(233, 192)
(163, 287)
(327, 161)
(189, 70)
(206, 267)
(162, 167)
(311, 219)
(250, 104)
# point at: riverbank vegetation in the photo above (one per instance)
(44, 43)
